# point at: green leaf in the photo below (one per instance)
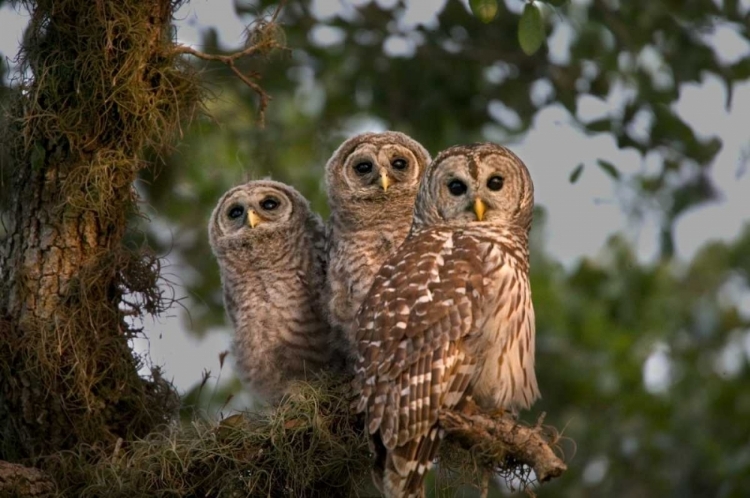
(484, 10)
(609, 168)
(740, 70)
(576, 174)
(556, 3)
(600, 125)
(530, 29)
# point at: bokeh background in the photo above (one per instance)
(634, 120)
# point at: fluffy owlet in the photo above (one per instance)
(270, 249)
(372, 181)
(449, 316)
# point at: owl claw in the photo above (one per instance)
(498, 413)
(469, 407)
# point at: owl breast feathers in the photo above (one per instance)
(449, 316)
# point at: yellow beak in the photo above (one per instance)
(384, 180)
(253, 219)
(479, 208)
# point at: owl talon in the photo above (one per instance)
(498, 413)
(469, 407)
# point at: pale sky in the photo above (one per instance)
(580, 216)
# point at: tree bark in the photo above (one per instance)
(19, 481)
(97, 98)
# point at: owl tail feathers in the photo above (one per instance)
(404, 468)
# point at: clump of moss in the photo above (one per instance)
(308, 446)
(102, 85)
(474, 467)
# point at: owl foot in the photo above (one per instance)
(497, 413)
(468, 406)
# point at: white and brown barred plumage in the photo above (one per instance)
(450, 314)
(271, 253)
(371, 181)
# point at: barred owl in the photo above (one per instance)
(270, 249)
(371, 182)
(449, 316)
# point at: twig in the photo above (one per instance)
(118, 446)
(226, 59)
(528, 445)
(485, 487)
(231, 59)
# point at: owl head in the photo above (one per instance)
(373, 173)
(478, 183)
(258, 216)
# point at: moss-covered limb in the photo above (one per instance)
(17, 480)
(502, 439)
(311, 445)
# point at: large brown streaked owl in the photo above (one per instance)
(372, 181)
(449, 316)
(271, 253)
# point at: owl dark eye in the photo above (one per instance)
(495, 183)
(235, 212)
(399, 164)
(363, 168)
(269, 204)
(457, 187)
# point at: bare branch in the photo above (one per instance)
(503, 436)
(265, 44)
(228, 59)
(262, 95)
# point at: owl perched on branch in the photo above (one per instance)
(270, 249)
(372, 182)
(449, 317)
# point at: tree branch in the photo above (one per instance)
(504, 437)
(17, 480)
(263, 33)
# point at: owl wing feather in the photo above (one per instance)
(424, 302)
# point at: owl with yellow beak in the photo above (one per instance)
(270, 250)
(371, 181)
(449, 320)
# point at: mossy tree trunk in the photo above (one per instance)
(104, 86)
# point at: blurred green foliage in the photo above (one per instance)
(600, 324)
